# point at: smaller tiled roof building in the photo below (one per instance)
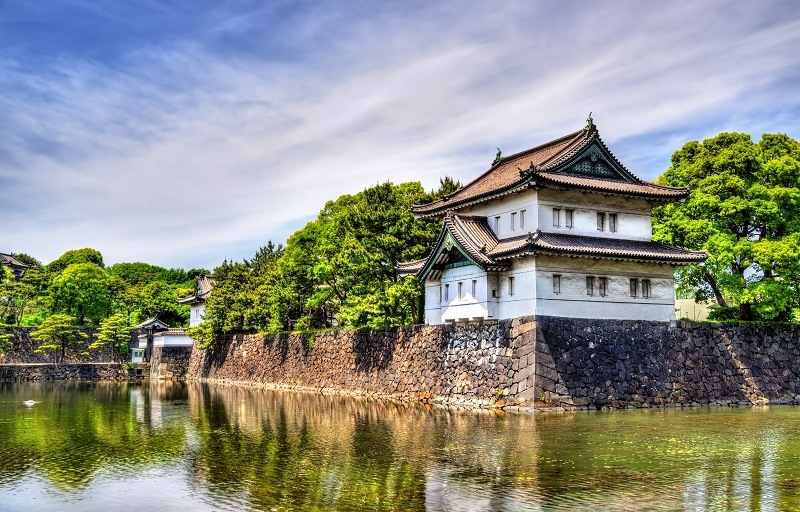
(197, 300)
(562, 229)
(17, 267)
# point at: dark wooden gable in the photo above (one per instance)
(596, 161)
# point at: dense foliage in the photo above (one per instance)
(78, 284)
(744, 210)
(339, 270)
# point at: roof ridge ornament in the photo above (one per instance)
(590, 122)
(497, 157)
(533, 237)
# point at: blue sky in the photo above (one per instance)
(184, 132)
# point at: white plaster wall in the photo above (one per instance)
(633, 215)
(468, 306)
(574, 302)
(172, 341)
(433, 308)
(503, 207)
(523, 301)
(197, 313)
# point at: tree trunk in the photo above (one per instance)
(713, 284)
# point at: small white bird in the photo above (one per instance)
(28, 403)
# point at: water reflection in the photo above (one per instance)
(226, 448)
(76, 429)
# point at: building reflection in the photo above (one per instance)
(750, 484)
(159, 402)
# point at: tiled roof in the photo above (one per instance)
(601, 185)
(534, 167)
(202, 288)
(588, 246)
(411, 267)
(173, 332)
(473, 234)
(154, 322)
(479, 241)
(9, 259)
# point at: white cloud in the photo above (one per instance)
(181, 156)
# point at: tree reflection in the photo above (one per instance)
(76, 429)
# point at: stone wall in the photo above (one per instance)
(78, 372)
(591, 363)
(170, 363)
(22, 350)
(470, 364)
(525, 362)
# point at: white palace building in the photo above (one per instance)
(562, 229)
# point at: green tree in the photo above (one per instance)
(81, 290)
(76, 256)
(115, 332)
(57, 333)
(342, 266)
(744, 210)
(27, 259)
(160, 299)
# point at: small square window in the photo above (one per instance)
(646, 288)
(556, 283)
(602, 286)
(568, 218)
(612, 222)
(589, 285)
(556, 217)
(601, 221)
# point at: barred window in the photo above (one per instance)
(556, 283)
(603, 286)
(513, 221)
(589, 285)
(446, 292)
(460, 290)
(601, 221)
(634, 287)
(646, 288)
(568, 222)
(612, 222)
(556, 217)
(474, 288)
(522, 219)
(511, 286)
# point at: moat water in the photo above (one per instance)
(175, 446)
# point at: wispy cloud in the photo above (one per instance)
(201, 146)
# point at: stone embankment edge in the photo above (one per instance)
(528, 363)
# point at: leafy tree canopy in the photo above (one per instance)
(27, 259)
(76, 256)
(744, 210)
(81, 290)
